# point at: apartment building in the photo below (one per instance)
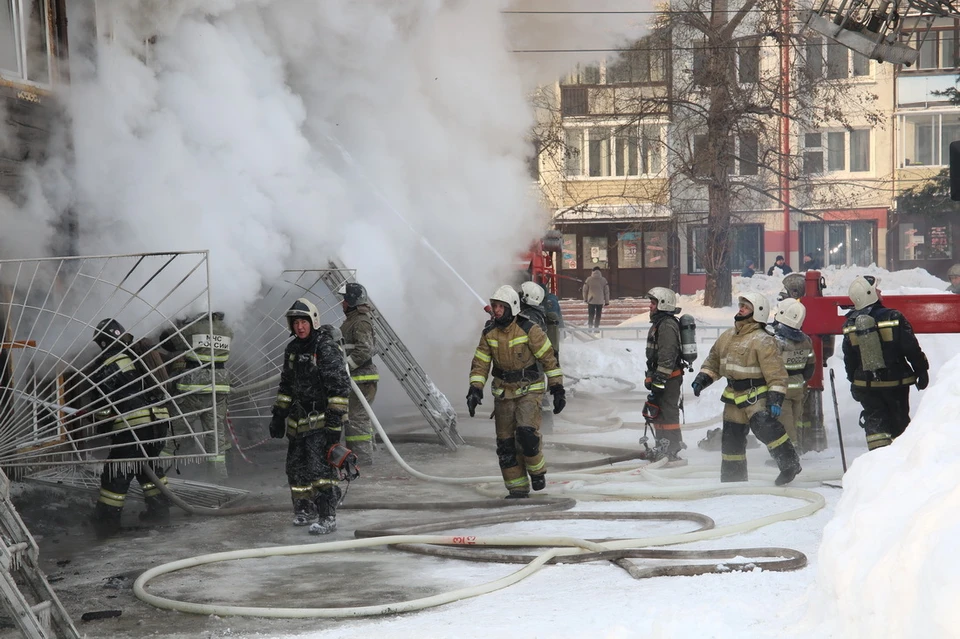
(623, 183)
(926, 123)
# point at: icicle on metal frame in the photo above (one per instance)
(879, 29)
(49, 309)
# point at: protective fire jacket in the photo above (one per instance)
(120, 382)
(535, 314)
(313, 383)
(749, 358)
(205, 349)
(663, 345)
(898, 344)
(796, 351)
(357, 329)
(514, 352)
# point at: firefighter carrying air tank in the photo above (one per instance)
(664, 374)
(882, 358)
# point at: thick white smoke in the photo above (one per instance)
(279, 132)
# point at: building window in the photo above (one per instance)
(834, 61)
(937, 48)
(924, 139)
(639, 66)
(839, 243)
(569, 253)
(533, 162)
(24, 40)
(595, 252)
(629, 251)
(748, 63)
(574, 101)
(749, 154)
(572, 146)
(843, 151)
(746, 243)
(585, 74)
(701, 57)
(621, 151)
(934, 244)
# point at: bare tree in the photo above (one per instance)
(727, 99)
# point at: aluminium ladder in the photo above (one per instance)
(432, 403)
(27, 597)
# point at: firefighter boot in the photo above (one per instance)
(157, 512)
(538, 482)
(788, 462)
(516, 494)
(304, 512)
(105, 520)
(325, 526)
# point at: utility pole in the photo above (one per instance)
(785, 123)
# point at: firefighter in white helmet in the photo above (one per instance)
(664, 374)
(756, 385)
(516, 348)
(311, 407)
(882, 358)
(796, 350)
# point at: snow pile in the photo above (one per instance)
(886, 566)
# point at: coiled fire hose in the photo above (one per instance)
(569, 549)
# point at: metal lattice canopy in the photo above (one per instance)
(49, 309)
(882, 30)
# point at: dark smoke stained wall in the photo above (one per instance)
(33, 63)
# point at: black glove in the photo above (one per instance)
(278, 427)
(923, 379)
(474, 395)
(658, 382)
(701, 381)
(559, 398)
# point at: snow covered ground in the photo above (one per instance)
(880, 551)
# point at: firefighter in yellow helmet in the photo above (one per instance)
(756, 385)
(516, 348)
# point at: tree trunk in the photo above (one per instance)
(720, 129)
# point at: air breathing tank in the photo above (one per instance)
(868, 339)
(688, 340)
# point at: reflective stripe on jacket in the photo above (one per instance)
(517, 347)
(743, 353)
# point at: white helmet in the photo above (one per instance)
(792, 313)
(508, 296)
(761, 307)
(665, 298)
(531, 293)
(305, 309)
(863, 291)
(954, 271)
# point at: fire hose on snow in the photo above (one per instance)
(563, 548)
